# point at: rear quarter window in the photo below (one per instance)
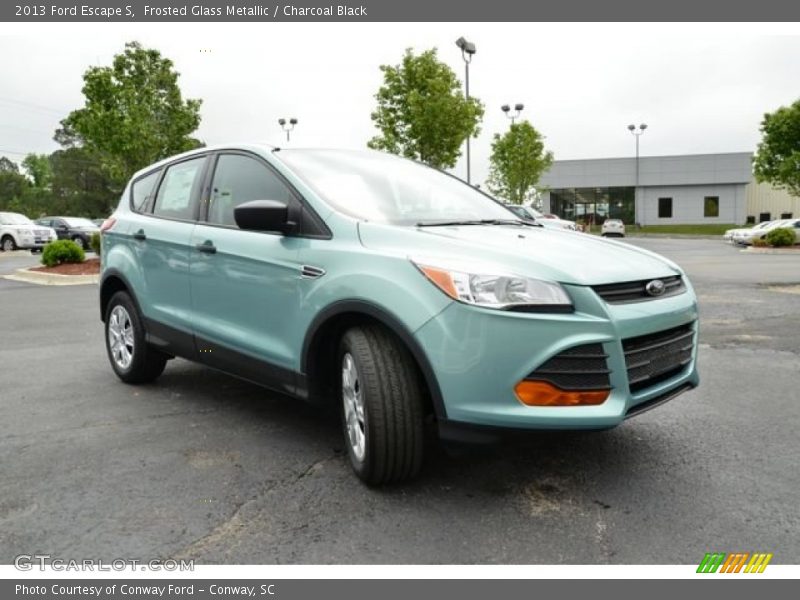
(142, 191)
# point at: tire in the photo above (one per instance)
(79, 240)
(133, 360)
(8, 243)
(388, 386)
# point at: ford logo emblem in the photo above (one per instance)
(655, 287)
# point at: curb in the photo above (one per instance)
(14, 253)
(686, 236)
(754, 250)
(40, 278)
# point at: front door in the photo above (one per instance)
(244, 284)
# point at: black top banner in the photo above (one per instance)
(401, 10)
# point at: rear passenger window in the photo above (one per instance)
(175, 194)
(142, 191)
(239, 179)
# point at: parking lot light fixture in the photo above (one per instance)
(467, 52)
(515, 115)
(287, 128)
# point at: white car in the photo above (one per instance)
(747, 236)
(730, 235)
(613, 227)
(19, 232)
(531, 214)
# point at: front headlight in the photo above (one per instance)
(489, 288)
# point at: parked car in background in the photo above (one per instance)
(98, 222)
(730, 234)
(18, 232)
(747, 236)
(531, 214)
(77, 229)
(398, 294)
(613, 227)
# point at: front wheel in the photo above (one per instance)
(131, 357)
(8, 244)
(381, 397)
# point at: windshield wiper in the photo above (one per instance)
(478, 222)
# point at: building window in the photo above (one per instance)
(764, 217)
(665, 208)
(786, 215)
(751, 220)
(711, 206)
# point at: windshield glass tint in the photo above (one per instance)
(381, 187)
(15, 219)
(79, 222)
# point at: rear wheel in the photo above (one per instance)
(133, 360)
(79, 240)
(381, 397)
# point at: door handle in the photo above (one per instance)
(208, 247)
(139, 235)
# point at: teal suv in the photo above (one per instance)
(406, 297)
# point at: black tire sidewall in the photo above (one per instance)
(362, 467)
(123, 299)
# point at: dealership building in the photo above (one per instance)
(667, 190)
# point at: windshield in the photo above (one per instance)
(79, 222)
(381, 187)
(14, 219)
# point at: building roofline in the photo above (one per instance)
(642, 157)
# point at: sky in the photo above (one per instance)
(699, 87)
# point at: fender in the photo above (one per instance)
(392, 323)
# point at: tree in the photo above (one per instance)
(38, 168)
(13, 185)
(80, 185)
(777, 159)
(134, 113)
(422, 113)
(518, 160)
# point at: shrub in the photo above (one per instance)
(783, 236)
(94, 243)
(62, 251)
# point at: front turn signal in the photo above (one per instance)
(541, 393)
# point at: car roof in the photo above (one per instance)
(252, 146)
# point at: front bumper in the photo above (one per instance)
(479, 355)
(30, 242)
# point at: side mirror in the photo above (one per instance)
(263, 215)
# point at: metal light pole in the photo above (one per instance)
(517, 108)
(287, 129)
(467, 52)
(636, 133)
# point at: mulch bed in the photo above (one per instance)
(87, 267)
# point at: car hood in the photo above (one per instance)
(558, 223)
(558, 255)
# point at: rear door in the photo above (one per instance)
(244, 284)
(161, 238)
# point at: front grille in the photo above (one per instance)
(578, 368)
(656, 357)
(40, 232)
(636, 291)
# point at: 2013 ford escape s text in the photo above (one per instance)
(399, 292)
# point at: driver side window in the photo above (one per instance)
(239, 179)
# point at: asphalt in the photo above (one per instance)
(201, 465)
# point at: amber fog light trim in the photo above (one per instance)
(541, 393)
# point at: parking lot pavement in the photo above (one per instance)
(201, 465)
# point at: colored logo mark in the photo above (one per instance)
(735, 562)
